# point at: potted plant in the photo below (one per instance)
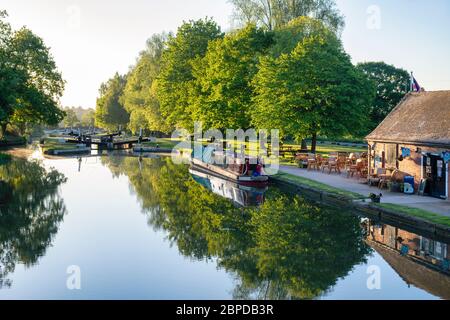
(375, 198)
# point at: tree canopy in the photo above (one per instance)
(294, 76)
(223, 90)
(30, 84)
(273, 14)
(391, 83)
(71, 119)
(139, 96)
(88, 118)
(175, 80)
(315, 89)
(110, 112)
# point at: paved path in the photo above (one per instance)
(342, 182)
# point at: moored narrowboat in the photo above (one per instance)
(247, 172)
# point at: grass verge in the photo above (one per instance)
(8, 140)
(52, 144)
(416, 212)
(164, 143)
(318, 185)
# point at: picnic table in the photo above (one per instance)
(288, 151)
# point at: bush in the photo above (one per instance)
(4, 158)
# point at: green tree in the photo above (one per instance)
(312, 90)
(88, 118)
(139, 97)
(176, 79)
(71, 119)
(110, 112)
(223, 90)
(392, 85)
(273, 14)
(30, 84)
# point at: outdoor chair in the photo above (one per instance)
(333, 164)
(348, 163)
(319, 161)
(359, 168)
(301, 159)
(324, 164)
(312, 161)
(374, 179)
(352, 169)
(342, 160)
(364, 168)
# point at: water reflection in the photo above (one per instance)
(240, 195)
(30, 212)
(286, 248)
(274, 245)
(420, 261)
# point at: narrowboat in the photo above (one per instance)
(247, 172)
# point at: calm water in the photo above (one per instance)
(153, 230)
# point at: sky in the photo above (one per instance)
(92, 39)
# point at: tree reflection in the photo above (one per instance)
(30, 212)
(288, 248)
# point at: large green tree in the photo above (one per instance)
(273, 14)
(110, 112)
(315, 89)
(139, 97)
(71, 119)
(176, 79)
(392, 84)
(222, 98)
(30, 84)
(88, 118)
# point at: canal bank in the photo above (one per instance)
(407, 211)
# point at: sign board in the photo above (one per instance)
(422, 187)
(446, 156)
(406, 152)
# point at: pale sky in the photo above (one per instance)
(92, 39)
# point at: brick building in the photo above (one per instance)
(415, 139)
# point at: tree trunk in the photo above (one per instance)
(314, 143)
(3, 129)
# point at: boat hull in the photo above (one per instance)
(239, 179)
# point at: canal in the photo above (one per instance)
(130, 228)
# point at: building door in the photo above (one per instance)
(436, 174)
